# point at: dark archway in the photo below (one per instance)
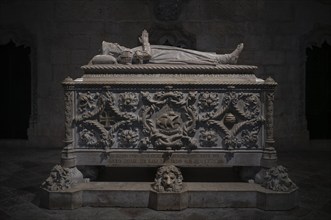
(15, 91)
(318, 91)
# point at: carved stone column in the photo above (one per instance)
(67, 157)
(269, 157)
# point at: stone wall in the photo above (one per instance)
(65, 34)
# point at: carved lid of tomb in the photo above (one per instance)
(169, 74)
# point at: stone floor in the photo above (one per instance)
(22, 171)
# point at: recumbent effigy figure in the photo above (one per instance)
(113, 53)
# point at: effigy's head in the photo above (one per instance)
(168, 179)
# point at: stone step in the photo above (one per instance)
(194, 195)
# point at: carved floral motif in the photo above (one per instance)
(93, 135)
(208, 138)
(208, 101)
(128, 101)
(88, 138)
(128, 138)
(239, 129)
(89, 104)
(168, 120)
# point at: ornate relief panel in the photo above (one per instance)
(168, 120)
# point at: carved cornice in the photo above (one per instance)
(167, 81)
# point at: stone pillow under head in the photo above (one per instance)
(103, 59)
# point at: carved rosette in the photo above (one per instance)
(208, 101)
(208, 138)
(128, 138)
(128, 101)
(168, 120)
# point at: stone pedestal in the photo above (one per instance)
(195, 195)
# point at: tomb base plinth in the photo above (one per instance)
(195, 195)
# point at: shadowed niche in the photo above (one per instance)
(15, 90)
(318, 92)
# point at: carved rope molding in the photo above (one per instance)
(152, 68)
(68, 117)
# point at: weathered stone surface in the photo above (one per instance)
(168, 201)
(276, 201)
(61, 200)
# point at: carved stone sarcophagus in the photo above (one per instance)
(168, 108)
(169, 117)
(186, 115)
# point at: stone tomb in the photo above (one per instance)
(169, 117)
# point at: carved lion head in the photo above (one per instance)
(168, 179)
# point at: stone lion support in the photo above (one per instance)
(168, 192)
